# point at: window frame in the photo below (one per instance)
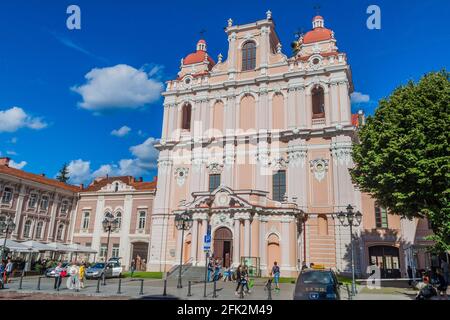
(321, 114)
(65, 206)
(39, 229)
(86, 217)
(248, 53)
(212, 181)
(278, 186)
(381, 217)
(186, 117)
(27, 228)
(34, 196)
(10, 193)
(60, 235)
(45, 198)
(140, 219)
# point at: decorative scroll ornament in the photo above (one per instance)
(279, 163)
(215, 168)
(319, 167)
(221, 219)
(181, 175)
(164, 165)
(297, 155)
(342, 153)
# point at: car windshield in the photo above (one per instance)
(98, 266)
(316, 277)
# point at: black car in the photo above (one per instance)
(315, 284)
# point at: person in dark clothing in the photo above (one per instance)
(410, 275)
(304, 266)
(442, 284)
(238, 279)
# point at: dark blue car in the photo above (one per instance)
(315, 284)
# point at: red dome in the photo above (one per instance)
(197, 57)
(317, 17)
(316, 35)
(201, 41)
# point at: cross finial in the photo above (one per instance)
(202, 33)
(269, 14)
(317, 8)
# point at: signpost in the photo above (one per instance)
(206, 249)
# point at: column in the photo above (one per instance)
(201, 258)
(247, 237)
(98, 228)
(327, 106)
(285, 245)
(302, 107)
(51, 233)
(291, 108)
(262, 242)
(165, 121)
(124, 244)
(236, 242)
(344, 103)
(194, 243)
(334, 103)
(19, 209)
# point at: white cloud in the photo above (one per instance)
(123, 131)
(13, 140)
(17, 165)
(145, 156)
(16, 118)
(145, 150)
(118, 87)
(79, 171)
(358, 97)
(11, 153)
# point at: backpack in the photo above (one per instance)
(63, 273)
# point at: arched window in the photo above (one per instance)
(59, 234)
(116, 187)
(186, 117)
(27, 229)
(323, 225)
(86, 216)
(39, 230)
(119, 220)
(318, 102)
(249, 56)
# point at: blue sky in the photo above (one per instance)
(49, 111)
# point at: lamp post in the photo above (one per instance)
(209, 203)
(351, 219)
(6, 227)
(110, 224)
(183, 222)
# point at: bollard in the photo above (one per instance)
(215, 289)
(98, 286)
(141, 292)
(348, 292)
(189, 289)
(165, 287)
(104, 279)
(120, 285)
(21, 279)
(269, 289)
(39, 284)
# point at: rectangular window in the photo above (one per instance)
(7, 195)
(32, 201)
(103, 250)
(214, 182)
(88, 244)
(44, 203)
(279, 185)
(64, 207)
(381, 219)
(115, 251)
(142, 215)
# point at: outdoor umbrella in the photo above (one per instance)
(14, 246)
(59, 247)
(80, 249)
(37, 245)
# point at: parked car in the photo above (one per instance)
(50, 273)
(317, 284)
(112, 269)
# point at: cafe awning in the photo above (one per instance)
(80, 249)
(39, 246)
(59, 247)
(14, 246)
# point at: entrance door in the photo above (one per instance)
(387, 258)
(140, 253)
(223, 246)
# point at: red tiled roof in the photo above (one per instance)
(138, 185)
(317, 17)
(198, 57)
(316, 35)
(355, 120)
(37, 178)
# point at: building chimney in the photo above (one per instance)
(4, 161)
(81, 186)
(43, 174)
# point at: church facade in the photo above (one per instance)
(257, 147)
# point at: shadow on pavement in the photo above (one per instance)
(158, 297)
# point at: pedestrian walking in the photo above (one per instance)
(132, 267)
(410, 275)
(245, 279)
(81, 274)
(58, 276)
(445, 270)
(275, 273)
(73, 282)
(238, 279)
(9, 270)
(2, 275)
(217, 268)
(442, 285)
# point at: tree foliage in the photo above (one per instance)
(403, 159)
(63, 175)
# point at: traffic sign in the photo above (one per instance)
(207, 242)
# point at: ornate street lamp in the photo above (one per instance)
(351, 219)
(183, 222)
(6, 226)
(110, 224)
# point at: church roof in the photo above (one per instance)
(199, 56)
(317, 34)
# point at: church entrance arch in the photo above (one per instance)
(223, 246)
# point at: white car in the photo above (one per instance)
(113, 269)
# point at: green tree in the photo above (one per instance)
(403, 159)
(63, 174)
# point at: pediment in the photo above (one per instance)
(117, 186)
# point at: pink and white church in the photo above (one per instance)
(258, 145)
